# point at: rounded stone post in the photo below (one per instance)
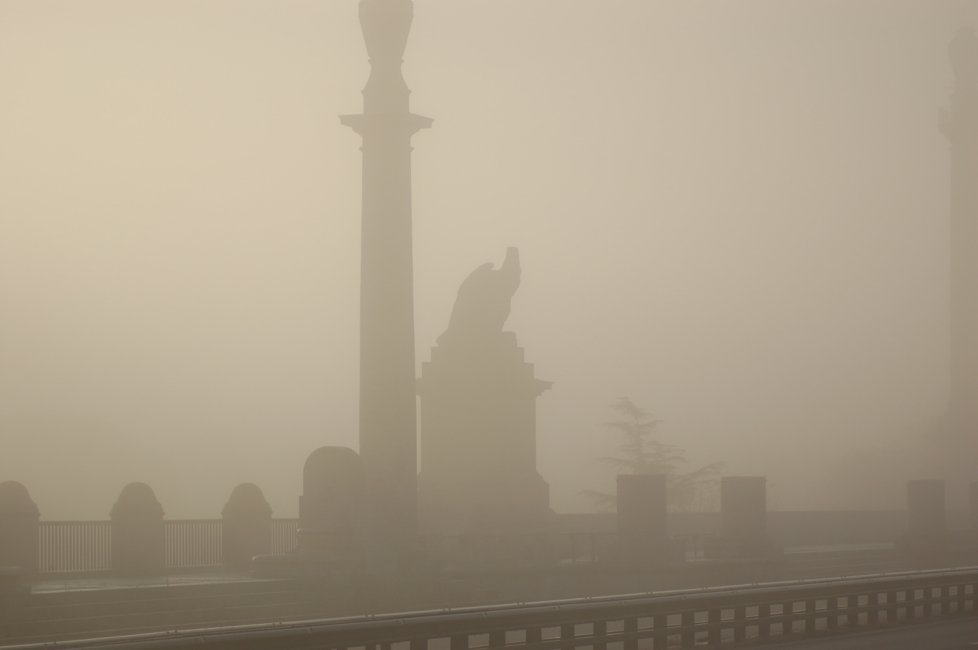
(331, 505)
(246, 529)
(137, 532)
(19, 522)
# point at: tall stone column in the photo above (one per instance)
(959, 123)
(388, 428)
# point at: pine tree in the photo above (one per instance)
(641, 453)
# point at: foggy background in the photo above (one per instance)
(733, 213)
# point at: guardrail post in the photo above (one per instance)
(764, 621)
(832, 613)
(246, 526)
(687, 636)
(811, 609)
(892, 612)
(19, 524)
(567, 634)
(137, 532)
(715, 635)
(740, 624)
(497, 639)
(872, 610)
(787, 616)
(660, 631)
(599, 631)
(459, 642)
(852, 611)
(534, 636)
(962, 599)
(630, 629)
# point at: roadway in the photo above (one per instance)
(945, 635)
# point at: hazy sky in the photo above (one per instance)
(733, 212)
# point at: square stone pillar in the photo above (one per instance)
(926, 509)
(743, 508)
(743, 519)
(642, 513)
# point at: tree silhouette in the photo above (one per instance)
(641, 453)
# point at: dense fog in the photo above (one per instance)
(734, 214)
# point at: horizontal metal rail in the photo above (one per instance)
(683, 618)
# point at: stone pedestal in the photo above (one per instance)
(246, 527)
(478, 438)
(642, 504)
(743, 519)
(332, 504)
(137, 532)
(18, 528)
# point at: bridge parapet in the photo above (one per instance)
(716, 617)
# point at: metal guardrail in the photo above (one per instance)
(683, 618)
(85, 547)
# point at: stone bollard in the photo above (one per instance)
(246, 527)
(331, 505)
(642, 515)
(137, 532)
(926, 510)
(18, 528)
